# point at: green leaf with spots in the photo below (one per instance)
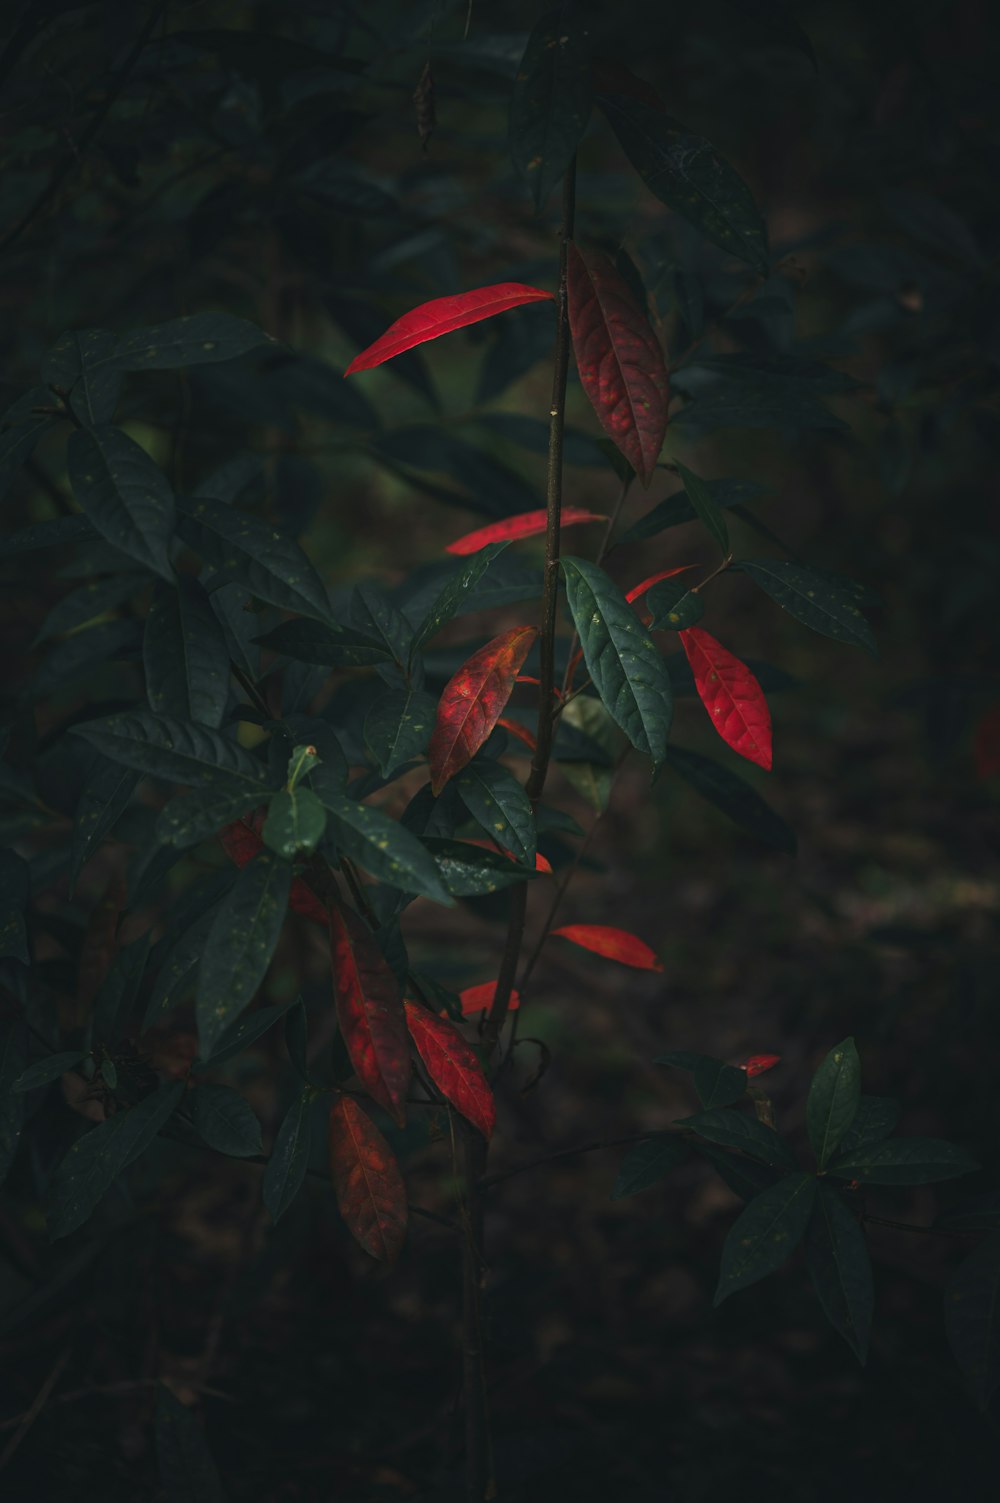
(828, 606)
(185, 656)
(240, 944)
(766, 1233)
(286, 1168)
(673, 607)
(59, 533)
(126, 496)
(500, 806)
(550, 103)
(97, 1158)
(246, 551)
(295, 823)
(468, 871)
(647, 1163)
(904, 1161)
(224, 1120)
(741, 1130)
(79, 366)
(193, 817)
(621, 657)
(840, 1268)
(398, 727)
(454, 594)
(176, 750)
(833, 1100)
(195, 339)
(178, 967)
(374, 617)
(733, 795)
(383, 847)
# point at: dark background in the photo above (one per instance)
(283, 180)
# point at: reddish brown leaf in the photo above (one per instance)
(758, 1063)
(731, 695)
(473, 701)
(369, 1188)
(527, 525)
(620, 361)
(613, 944)
(520, 731)
(647, 584)
(453, 1066)
(370, 1013)
(241, 844)
(479, 998)
(443, 314)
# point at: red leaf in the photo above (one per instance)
(369, 1188)
(619, 359)
(479, 998)
(614, 944)
(986, 745)
(647, 584)
(473, 701)
(443, 314)
(453, 1066)
(758, 1063)
(370, 1013)
(731, 695)
(520, 731)
(241, 844)
(542, 863)
(524, 526)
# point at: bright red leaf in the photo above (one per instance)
(527, 525)
(613, 944)
(647, 584)
(480, 998)
(473, 701)
(758, 1063)
(453, 1066)
(241, 843)
(369, 1188)
(370, 1013)
(731, 695)
(619, 358)
(443, 314)
(520, 731)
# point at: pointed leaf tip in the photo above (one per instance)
(613, 944)
(732, 696)
(441, 316)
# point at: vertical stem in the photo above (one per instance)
(479, 1482)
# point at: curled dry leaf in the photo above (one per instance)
(370, 1013)
(613, 944)
(369, 1188)
(473, 701)
(527, 525)
(443, 314)
(731, 695)
(453, 1066)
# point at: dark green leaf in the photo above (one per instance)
(297, 1038)
(239, 945)
(125, 495)
(328, 646)
(647, 1163)
(89, 601)
(196, 339)
(43, 1071)
(719, 404)
(286, 1168)
(981, 1213)
(765, 1233)
(469, 871)
(295, 823)
(377, 618)
(20, 430)
(673, 607)
(248, 552)
(398, 727)
(383, 847)
(224, 1120)
(240, 1036)
(904, 1161)
(875, 1119)
(677, 508)
(718, 1084)
(621, 657)
(119, 990)
(187, 1473)
(743, 1176)
(455, 593)
(98, 1157)
(833, 1100)
(841, 1269)
(827, 606)
(193, 817)
(685, 172)
(703, 503)
(972, 1319)
(489, 485)
(78, 366)
(60, 533)
(741, 1130)
(550, 104)
(178, 967)
(500, 806)
(733, 796)
(86, 652)
(185, 656)
(14, 888)
(175, 750)
(12, 1064)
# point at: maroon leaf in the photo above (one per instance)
(370, 1013)
(443, 314)
(369, 1188)
(731, 695)
(620, 361)
(473, 701)
(453, 1066)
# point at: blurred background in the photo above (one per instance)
(267, 160)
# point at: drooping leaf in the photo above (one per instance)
(528, 524)
(398, 728)
(383, 847)
(195, 339)
(677, 508)
(732, 1129)
(874, 1120)
(455, 594)
(295, 823)
(732, 696)
(125, 495)
(473, 700)
(370, 1013)
(685, 172)
(369, 1188)
(904, 1161)
(972, 1319)
(442, 315)
(289, 1161)
(468, 871)
(44, 1071)
(480, 998)
(621, 657)
(550, 103)
(224, 1120)
(840, 1268)
(453, 1066)
(647, 1163)
(239, 945)
(187, 1472)
(705, 507)
(374, 616)
(185, 656)
(766, 1233)
(89, 601)
(833, 1100)
(176, 750)
(827, 606)
(733, 796)
(489, 485)
(499, 804)
(246, 551)
(79, 368)
(97, 1158)
(619, 358)
(613, 944)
